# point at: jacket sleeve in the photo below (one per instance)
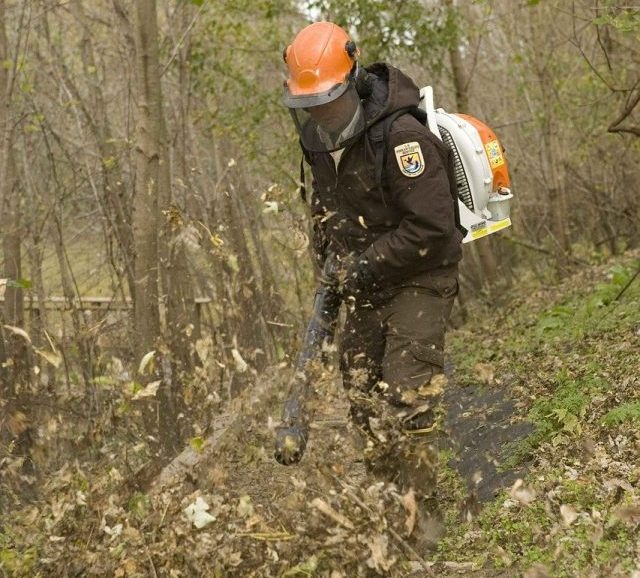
(425, 204)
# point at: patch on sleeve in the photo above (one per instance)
(410, 159)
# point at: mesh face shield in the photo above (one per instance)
(329, 126)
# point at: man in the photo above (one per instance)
(385, 225)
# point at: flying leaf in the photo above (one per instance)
(270, 207)
(245, 507)
(19, 283)
(149, 391)
(409, 504)
(484, 373)
(20, 332)
(53, 358)
(379, 559)
(241, 364)
(522, 493)
(147, 361)
(569, 514)
(203, 348)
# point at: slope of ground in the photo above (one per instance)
(564, 359)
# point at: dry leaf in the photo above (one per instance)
(435, 387)
(20, 332)
(147, 361)
(484, 373)
(245, 507)
(241, 364)
(522, 493)
(409, 504)
(51, 357)
(197, 513)
(17, 423)
(569, 514)
(204, 347)
(378, 559)
(148, 391)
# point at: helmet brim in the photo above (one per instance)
(291, 100)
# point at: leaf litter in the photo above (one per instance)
(236, 512)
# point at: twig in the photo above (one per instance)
(267, 536)
(627, 285)
(532, 247)
(153, 566)
(182, 39)
(322, 506)
(277, 324)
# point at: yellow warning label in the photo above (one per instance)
(494, 153)
(487, 227)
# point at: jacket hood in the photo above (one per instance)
(391, 90)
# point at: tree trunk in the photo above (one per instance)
(15, 347)
(153, 190)
(15, 426)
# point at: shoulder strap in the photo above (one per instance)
(302, 189)
(380, 138)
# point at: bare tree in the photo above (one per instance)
(153, 190)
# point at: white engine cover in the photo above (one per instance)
(474, 214)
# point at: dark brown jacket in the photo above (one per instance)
(410, 227)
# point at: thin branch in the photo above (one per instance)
(182, 39)
(622, 291)
(632, 102)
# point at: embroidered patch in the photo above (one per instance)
(410, 159)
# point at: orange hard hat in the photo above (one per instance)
(320, 60)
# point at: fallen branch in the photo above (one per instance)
(228, 428)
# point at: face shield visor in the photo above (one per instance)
(328, 122)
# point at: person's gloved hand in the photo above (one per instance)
(358, 277)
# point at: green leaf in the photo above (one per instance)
(197, 443)
(19, 283)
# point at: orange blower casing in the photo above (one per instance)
(495, 153)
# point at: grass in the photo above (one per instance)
(569, 355)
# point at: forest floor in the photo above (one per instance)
(539, 477)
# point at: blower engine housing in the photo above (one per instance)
(481, 170)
